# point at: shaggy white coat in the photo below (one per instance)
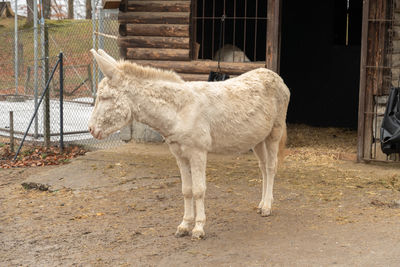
(242, 113)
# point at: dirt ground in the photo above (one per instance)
(121, 207)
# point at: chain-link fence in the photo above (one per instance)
(74, 38)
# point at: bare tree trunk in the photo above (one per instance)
(88, 9)
(29, 18)
(47, 9)
(70, 9)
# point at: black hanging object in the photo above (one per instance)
(390, 129)
(216, 76)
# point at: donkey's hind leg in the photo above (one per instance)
(260, 152)
(267, 154)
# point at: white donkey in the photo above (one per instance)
(248, 111)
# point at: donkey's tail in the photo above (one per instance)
(282, 147)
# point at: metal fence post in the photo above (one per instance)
(11, 131)
(16, 46)
(61, 102)
(46, 104)
(100, 38)
(94, 80)
(35, 62)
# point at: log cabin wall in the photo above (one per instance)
(155, 30)
(163, 34)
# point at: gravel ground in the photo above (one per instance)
(120, 207)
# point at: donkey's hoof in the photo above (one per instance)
(198, 234)
(181, 232)
(266, 212)
(258, 210)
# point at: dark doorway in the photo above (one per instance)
(320, 60)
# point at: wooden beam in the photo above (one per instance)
(167, 30)
(159, 6)
(111, 4)
(153, 17)
(273, 12)
(203, 66)
(154, 42)
(373, 41)
(193, 77)
(157, 54)
(361, 97)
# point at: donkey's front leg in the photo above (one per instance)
(186, 177)
(198, 161)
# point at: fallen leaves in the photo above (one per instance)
(32, 156)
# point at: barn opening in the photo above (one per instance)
(320, 60)
(244, 28)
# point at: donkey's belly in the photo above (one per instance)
(238, 139)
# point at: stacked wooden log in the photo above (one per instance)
(154, 30)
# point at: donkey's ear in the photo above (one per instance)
(107, 56)
(108, 68)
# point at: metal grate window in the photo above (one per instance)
(243, 36)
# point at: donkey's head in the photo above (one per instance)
(112, 108)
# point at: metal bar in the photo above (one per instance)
(70, 133)
(11, 131)
(245, 26)
(16, 46)
(37, 108)
(35, 58)
(15, 132)
(61, 102)
(46, 104)
(105, 35)
(202, 30)
(40, 135)
(361, 98)
(255, 33)
(213, 31)
(100, 39)
(223, 32)
(94, 84)
(234, 28)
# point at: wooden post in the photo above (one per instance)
(371, 72)
(272, 56)
(11, 131)
(361, 98)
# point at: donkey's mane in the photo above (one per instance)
(146, 72)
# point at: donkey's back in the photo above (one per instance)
(241, 112)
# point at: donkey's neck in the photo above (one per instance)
(157, 103)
